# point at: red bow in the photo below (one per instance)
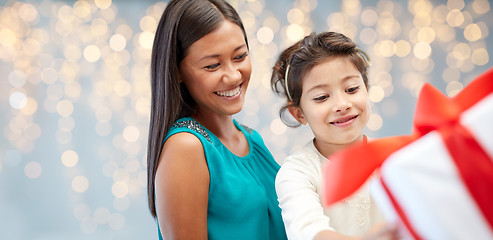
(434, 111)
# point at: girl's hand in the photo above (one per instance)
(383, 231)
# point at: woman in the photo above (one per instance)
(208, 176)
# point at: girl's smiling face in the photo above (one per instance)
(334, 102)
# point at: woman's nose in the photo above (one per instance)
(232, 73)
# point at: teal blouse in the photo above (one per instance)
(242, 198)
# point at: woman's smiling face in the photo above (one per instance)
(334, 102)
(217, 69)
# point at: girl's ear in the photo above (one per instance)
(297, 113)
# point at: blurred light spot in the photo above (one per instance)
(82, 9)
(65, 108)
(103, 114)
(92, 53)
(17, 78)
(8, 38)
(272, 23)
(402, 48)
(422, 19)
(481, 6)
(148, 24)
(121, 204)
(369, 17)
(295, 16)
(265, 35)
(122, 88)
(82, 211)
(119, 189)
(143, 106)
(386, 48)
(455, 18)
(12, 157)
(31, 47)
(17, 100)
(66, 14)
(480, 57)
(131, 134)
(146, 40)
(376, 94)
(118, 42)
(426, 34)
(73, 89)
(445, 33)
(277, 127)
(33, 170)
(117, 221)
(70, 158)
(28, 12)
(72, 53)
(80, 184)
(103, 4)
(425, 65)
(472, 32)
(101, 215)
(351, 7)
(375, 122)
(294, 32)
(462, 51)
(453, 88)
(452, 61)
(32, 131)
(422, 50)
(368, 36)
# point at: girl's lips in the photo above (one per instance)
(344, 121)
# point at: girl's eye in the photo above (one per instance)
(212, 67)
(352, 90)
(242, 56)
(321, 98)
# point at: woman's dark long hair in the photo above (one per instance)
(183, 22)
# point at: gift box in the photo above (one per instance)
(436, 183)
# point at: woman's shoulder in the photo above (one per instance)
(188, 124)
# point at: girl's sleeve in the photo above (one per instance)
(301, 208)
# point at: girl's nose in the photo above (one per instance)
(341, 103)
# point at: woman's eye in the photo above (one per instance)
(242, 56)
(352, 90)
(212, 67)
(321, 98)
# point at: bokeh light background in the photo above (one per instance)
(75, 95)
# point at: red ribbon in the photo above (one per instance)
(434, 111)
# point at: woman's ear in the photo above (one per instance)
(297, 113)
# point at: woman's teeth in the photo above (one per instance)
(229, 93)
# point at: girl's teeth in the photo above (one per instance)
(229, 93)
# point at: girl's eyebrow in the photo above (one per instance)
(324, 84)
(217, 55)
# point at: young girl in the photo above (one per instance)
(324, 79)
(208, 176)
